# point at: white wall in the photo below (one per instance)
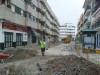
(19, 3)
(14, 34)
(6, 13)
(1, 34)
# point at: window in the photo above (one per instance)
(25, 13)
(28, 1)
(19, 39)
(37, 20)
(8, 39)
(18, 10)
(22, 12)
(34, 19)
(13, 8)
(28, 15)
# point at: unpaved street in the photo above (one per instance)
(29, 66)
(54, 61)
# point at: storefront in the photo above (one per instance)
(12, 35)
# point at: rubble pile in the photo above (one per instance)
(71, 65)
(21, 53)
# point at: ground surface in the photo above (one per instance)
(55, 61)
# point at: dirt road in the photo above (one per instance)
(54, 56)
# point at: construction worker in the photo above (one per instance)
(43, 46)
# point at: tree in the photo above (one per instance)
(69, 36)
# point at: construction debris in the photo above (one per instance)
(71, 65)
(21, 53)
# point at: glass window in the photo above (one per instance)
(8, 39)
(22, 12)
(18, 10)
(19, 39)
(34, 19)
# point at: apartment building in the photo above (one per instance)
(95, 5)
(80, 24)
(91, 18)
(24, 22)
(67, 29)
(80, 27)
(87, 14)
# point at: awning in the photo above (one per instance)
(36, 33)
(33, 32)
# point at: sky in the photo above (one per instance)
(67, 11)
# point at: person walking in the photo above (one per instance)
(43, 47)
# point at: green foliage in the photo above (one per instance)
(69, 36)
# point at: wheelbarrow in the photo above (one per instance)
(3, 58)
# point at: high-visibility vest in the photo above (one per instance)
(43, 44)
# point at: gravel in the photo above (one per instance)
(71, 65)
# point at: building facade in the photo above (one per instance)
(67, 29)
(80, 24)
(24, 22)
(95, 7)
(91, 18)
(80, 27)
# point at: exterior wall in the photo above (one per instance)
(1, 33)
(7, 14)
(67, 30)
(45, 20)
(96, 20)
(5, 28)
(93, 18)
(19, 3)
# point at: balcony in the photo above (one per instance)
(8, 14)
(87, 11)
(42, 20)
(96, 25)
(42, 2)
(87, 21)
(96, 9)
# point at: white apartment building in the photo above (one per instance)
(24, 22)
(67, 29)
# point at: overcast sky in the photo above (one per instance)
(67, 11)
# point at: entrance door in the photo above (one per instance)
(8, 39)
(19, 39)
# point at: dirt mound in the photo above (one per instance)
(21, 53)
(71, 65)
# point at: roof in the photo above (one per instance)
(88, 30)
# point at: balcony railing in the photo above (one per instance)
(88, 8)
(96, 24)
(96, 7)
(42, 1)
